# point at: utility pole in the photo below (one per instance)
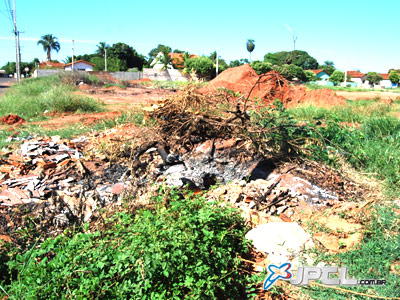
(72, 55)
(17, 54)
(216, 68)
(105, 59)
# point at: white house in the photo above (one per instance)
(385, 82)
(79, 65)
(357, 77)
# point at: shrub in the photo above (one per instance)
(203, 66)
(187, 248)
(261, 67)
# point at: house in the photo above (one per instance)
(357, 77)
(79, 65)
(177, 61)
(51, 65)
(321, 74)
(385, 82)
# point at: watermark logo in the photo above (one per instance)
(306, 274)
(277, 273)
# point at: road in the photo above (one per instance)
(5, 83)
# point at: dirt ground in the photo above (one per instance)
(385, 96)
(116, 99)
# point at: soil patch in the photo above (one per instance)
(270, 86)
(12, 120)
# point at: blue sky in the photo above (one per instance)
(353, 34)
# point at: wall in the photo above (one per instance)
(164, 75)
(126, 75)
(44, 72)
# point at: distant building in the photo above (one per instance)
(51, 65)
(3, 73)
(79, 65)
(322, 75)
(357, 77)
(177, 61)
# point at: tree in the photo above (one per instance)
(394, 77)
(49, 43)
(373, 78)
(310, 75)
(127, 54)
(336, 77)
(291, 72)
(250, 46)
(328, 67)
(261, 67)
(297, 57)
(101, 49)
(160, 48)
(113, 64)
(237, 63)
(178, 51)
(165, 59)
(272, 59)
(203, 66)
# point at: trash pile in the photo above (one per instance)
(50, 177)
(202, 142)
(270, 86)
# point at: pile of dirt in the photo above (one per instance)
(12, 120)
(270, 86)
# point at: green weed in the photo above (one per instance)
(187, 248)
(33, 97)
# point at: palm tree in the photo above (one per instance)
(49, 42)
(250, 46)
(101, 48)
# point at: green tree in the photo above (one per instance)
(250, 46)
(113, 64)
(49, 43)
(237, 63)
(101, 49)
(297, 57)
(165, 59)
(272, 59)
(203, 66)
(160, 48)
(178, 51)
(373, 78)
(127, 54)
(394, 77)
(291, 72)
(261, 67)
(310, 75)
(328, 67)
(337, 77)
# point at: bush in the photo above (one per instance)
(203, 66)
(261, 67)
(32, 97)
(291, 72)
(185, 249)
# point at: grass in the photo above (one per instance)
(158, 84)
(71, 130)
(314, 86)
(379, 249)
(372, 146)
(33, 97)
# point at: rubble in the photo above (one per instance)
(53, 179)
(12, 120)
(282, 242)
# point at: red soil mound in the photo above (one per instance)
(12, 120)
(270, 86)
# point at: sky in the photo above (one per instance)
(356, 35)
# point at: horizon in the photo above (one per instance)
(326, 32)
